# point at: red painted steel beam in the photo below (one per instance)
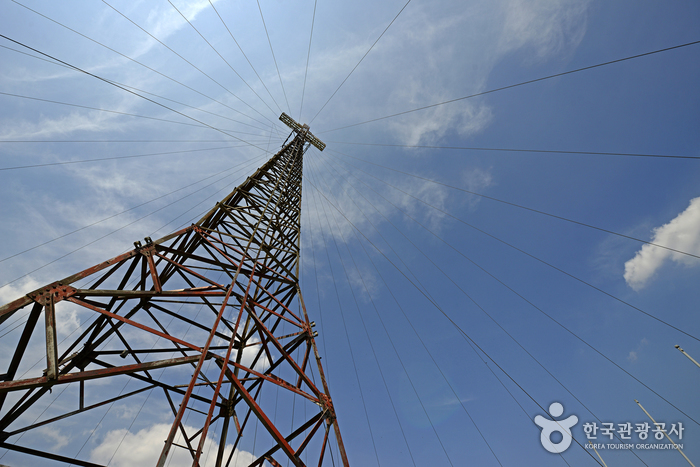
(21, 347)
(334, 422)
(75, 412)
(183, 406)
(289, 359)
(271, 428)
(135, 324)
(94, 374)
(319, 417)
(23, 301)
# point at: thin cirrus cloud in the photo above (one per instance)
(436, 53)
(549, 27)
(682, 234)
(163, 21)
(59, 126)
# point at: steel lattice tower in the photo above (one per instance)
(203, 318)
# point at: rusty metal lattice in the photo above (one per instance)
(210, 308)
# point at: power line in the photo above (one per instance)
(564, 152)
(273, 56)
(48, 164)
(143, 91)
(377, 360)
(536, 258)
(516, 85)
(454, 324)
(345, 327)
(227, 63)
(308, 56)
(358, 63)
(53, 141)
(454, 392)
(128, 58)
(19, 96)
(127, 90)
(466, 336)
(183, 58)
(458, 286)
(543, 151)
(124, 226)
(519, 206)
(244, 55)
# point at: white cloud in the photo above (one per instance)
(63, 125)
(547, 26)
(249, 354)
(163, 21)
(117, 185)
(682, 233)
(431, 193)
(60, 439)
(67, 319)
(144, 447)
(437, 53)
(18, 289)
(634, 354)
(476, 180)
(429, 126)
(365, 281)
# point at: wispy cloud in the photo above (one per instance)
(18, 289)
(162, 21)
(682, 233)
(93, 122)
(431, 125)
(432, 195)
(476, 180)
(438, 53)
(547, 27)
(60, 439)
(633, 356)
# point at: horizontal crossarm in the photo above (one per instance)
(302, 130)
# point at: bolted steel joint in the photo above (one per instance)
(56, 291)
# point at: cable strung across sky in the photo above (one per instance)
(511, 86)
(482, 282)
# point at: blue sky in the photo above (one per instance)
(394, 246)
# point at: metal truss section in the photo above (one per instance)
(302, 130)
(208, 322)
